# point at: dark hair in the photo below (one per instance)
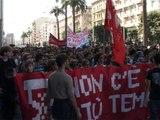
(97, 56)
(157, 58)
(51, 64)
(61, 59)
(28, 62)
(5, 49)
(38, 57)
(132, 52)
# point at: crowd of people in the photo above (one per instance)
(44, 59)
(31, 59)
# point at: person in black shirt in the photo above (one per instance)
(153, 89)
(7, 84)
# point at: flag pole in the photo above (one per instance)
(1, 23)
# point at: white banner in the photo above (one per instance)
(77, 40)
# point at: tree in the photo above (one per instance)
(64, 5)
(29, 32)
(76, 6)
(153, 29)
(101, 35)
(57, 11)
(23, 36)
(132, 35)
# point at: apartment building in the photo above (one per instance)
(98, 12)
(36, 25)
(129, 11)
(10, 39)
(83, 19)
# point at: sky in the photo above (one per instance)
(18, 15)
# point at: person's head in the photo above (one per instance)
(51, 65)
(73, 64)
(132, 52)
(99, 58)
(61, 60)
(29, 66)
(16, 53)
(27, 56)
(6, 51)
(39, 58)
(157, 58)
(85, 63)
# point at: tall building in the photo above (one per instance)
(98, 14)
(9, 39)
(52, 27)
(36, 25)
(130, 11)
(83, 19)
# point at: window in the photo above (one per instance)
(152, 3)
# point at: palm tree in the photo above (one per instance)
(23, 36)
(76, 6)
(65, 12)
(57, 11)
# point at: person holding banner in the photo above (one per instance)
(60, 88)
(153, 89)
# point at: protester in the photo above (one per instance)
(60, 87)
(25, 57)
(99, 59)
(28, 66)
(39, 63)
(51, 66)
(153, 89)
(7, 84)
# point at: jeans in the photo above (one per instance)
(154, 106)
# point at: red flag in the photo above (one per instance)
(112, 23)
(53, 40)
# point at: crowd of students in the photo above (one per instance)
(43, 59)
(34, 59)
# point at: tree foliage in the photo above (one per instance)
(57, 11)
(23, 36)
(101, 35)
(132, 35)
(76, 6)
(153, 26)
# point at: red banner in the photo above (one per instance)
(103, 93)
(53, 40)
(112, 23)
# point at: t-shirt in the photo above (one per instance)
(39, 68)
(60, 85)
(154, 77)
(6, 75)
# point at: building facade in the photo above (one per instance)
(36, 26)
(130, 11)
(10, 39)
